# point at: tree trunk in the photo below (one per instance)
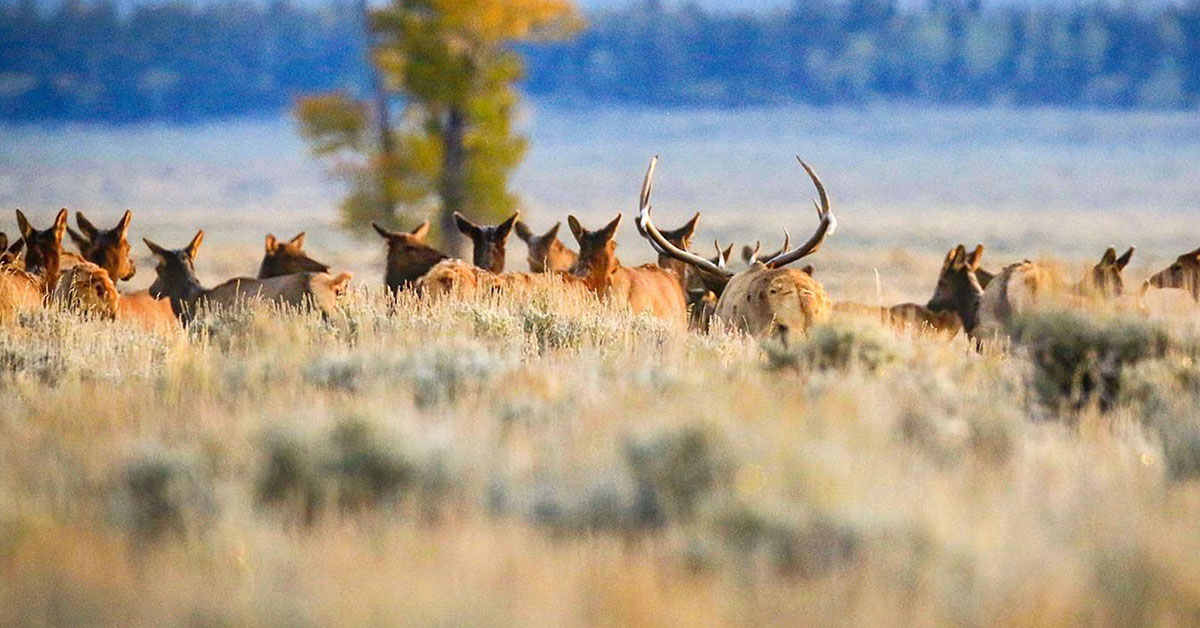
(454, 179)
(383, 119)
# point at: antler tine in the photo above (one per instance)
(661, 245)
(754, 255)
(825, 229)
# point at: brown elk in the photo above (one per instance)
(767, 297)
(19, 290)
(1182, 274)
(287, 258)
(177, 282)
(10, 254)
(488, 242)
(546, 253)
(88, 287)
(1104, 280)
(959, 289)
(107, 248)
(43, 249)
(408, 256)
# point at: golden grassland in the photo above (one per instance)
(545, 461)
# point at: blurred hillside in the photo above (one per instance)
(103, 61)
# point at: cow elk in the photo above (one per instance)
(43, 249)
(177, 282)
(488, 242)
(1182, 274)
(1104, 280)
(107, 248)
(546, 253)
(645, 289)
(768, 297)
(89, 288)
(287, 258)
(408, 256)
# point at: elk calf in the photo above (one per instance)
(408, 256)
(488, 243)
(287, 258)
(647, 288)
(107, 248)
(546, 253)
(177, 282)
(89, 288)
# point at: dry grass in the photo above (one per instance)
(547, 461)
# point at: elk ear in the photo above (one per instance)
(976, 258)
(747, 253)
(23, 225)
(959, 258)
(123, 226)
(420, 231)
(271, 243)
(610, 230)
(383, 233)
(1123, 261)
(552, 233)
(3, 240)
(79, 239)
(689, 228)
(1109, 258)
(466, 227)
(60, 224)
(194, 245)
(808, 270)
(157, 250)
(86, 226)
(506, 227)
(577, 229)
(297, 241)
(523, 231)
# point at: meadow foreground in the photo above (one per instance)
(549, 460)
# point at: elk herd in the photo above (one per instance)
(769, 295)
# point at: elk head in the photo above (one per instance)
(488, 242)
(43, 248)
(546, 252)
(958, 288)
(767, 295)
(287, 258)
(597, 250)
(107, 248)
(10, 254)
(176, 270)
(682, 239)
(1183, 273)
(1104, 279)
(408, 257)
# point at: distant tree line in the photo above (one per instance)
(175, 61)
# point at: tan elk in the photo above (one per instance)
(89, 288)
(488, 242)
(43, 249)
(287, 258)
(1182, 274)
(107, 248)
(646, 289)
(19, 290)
(177, 282)
(408, 256)
(546, 253)
(768, 296)
(1104, 281)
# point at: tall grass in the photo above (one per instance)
(540, 461)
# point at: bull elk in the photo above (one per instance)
(107, 248)
(645, 289)
(177, 282)
(546, 253)
(766, 297)
(408, 256)
(488, 243)
(287, 258)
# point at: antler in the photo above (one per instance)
(826, 228)
(661, 245)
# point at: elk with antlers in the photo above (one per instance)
(767, 297)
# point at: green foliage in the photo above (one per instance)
(455, 145)
(1079, 359)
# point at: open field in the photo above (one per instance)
(548, 461)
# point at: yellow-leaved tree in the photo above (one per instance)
(436, 135)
